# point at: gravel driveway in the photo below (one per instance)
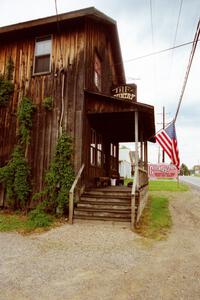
(101, 261)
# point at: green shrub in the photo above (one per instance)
(38, 218)
(15, 177)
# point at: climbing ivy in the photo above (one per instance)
(48, 103)
(60, 176)
(6, 90)
(15, 177)
(9, 69)
(6, 85)
(24, 114)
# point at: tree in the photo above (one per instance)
(184, 170)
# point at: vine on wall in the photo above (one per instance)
(47, 103)
(24, 115)
(6, 85)
(15, 177)
(60, 176)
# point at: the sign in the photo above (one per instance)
(162, 171)
(126, 91)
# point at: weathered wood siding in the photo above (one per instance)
(73, 49)
(98, 40)
(67, 112)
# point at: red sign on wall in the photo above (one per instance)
(162, 171)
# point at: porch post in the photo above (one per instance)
(135, 183)
(141, 154)
(136, 143)
(146, 155)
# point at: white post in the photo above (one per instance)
(136, 143)
(135, 183)
(145, 155)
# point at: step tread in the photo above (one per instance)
(103, 205)
(113, 210)
(102, 218)
(104, 200)
(103, 214)
(86, 196)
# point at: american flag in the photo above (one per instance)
(168, 141)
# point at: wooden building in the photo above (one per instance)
(75, 58)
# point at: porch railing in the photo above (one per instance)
(72, 192)
(138, 195)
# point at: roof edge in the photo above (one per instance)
(90, 11)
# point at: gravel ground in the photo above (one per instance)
(105, 261)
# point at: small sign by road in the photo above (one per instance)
(162, 171)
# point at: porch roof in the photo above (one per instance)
(115, 118)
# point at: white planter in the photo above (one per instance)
(113, 181)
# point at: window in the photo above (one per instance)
(113, 156)
(99, 151)
(96, 149)
(42, 61)
(93, 147)
(97, 72)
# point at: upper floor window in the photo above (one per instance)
(42, 61)
(97, 72)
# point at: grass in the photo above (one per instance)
(172, 186)
(156, 221)
(197, 175)
(12, 221)
(127, 180)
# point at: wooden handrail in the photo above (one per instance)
(71, 194)
(137, 185)
(142, 170)
(133, 192)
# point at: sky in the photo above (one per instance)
(145, 26)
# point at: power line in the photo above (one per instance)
(177, 24)
(153, 48)
(176, 30)
(59, 32)
(195, 41)
(158, 52)
(152, 31)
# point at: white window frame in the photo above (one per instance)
(46, 37)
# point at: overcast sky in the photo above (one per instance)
(159, 78)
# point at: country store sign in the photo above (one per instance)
(125, 91)
(162, 171)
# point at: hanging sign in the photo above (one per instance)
(162, 171)
(125, 91)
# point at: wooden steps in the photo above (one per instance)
(104, 204)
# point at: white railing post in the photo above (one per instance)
(71, 194)
(136, 179)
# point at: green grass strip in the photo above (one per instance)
(173, 186)
(156, 219)
(11, 222)
(21, 223)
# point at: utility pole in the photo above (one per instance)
(163, 153)
(163, 123)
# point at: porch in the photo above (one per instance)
(109, 121)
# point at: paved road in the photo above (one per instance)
(193, 180)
